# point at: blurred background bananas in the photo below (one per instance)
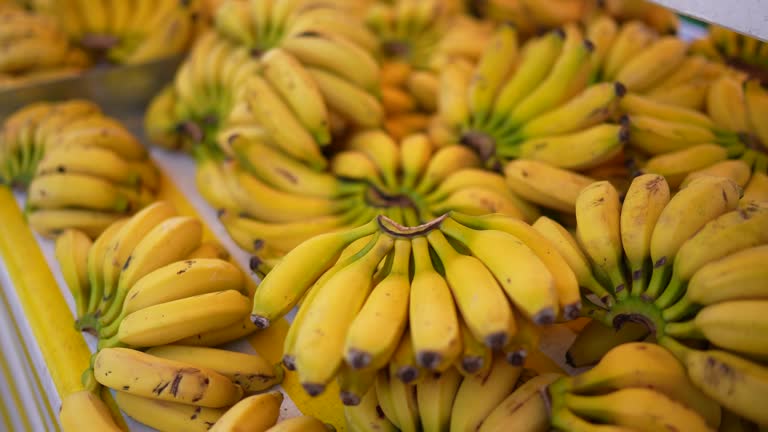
(80, 168)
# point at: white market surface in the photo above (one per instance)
(744, 16)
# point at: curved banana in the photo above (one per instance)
(756, 98)
(382, 150)
(352, 102)
(737, 170)
(144, 375)
(637, 104)
(75, 190)
(596, 339)
(164, 415)
(415, 153)
(301, 424)
(656, 136)
(632, 38)
(652, 64)
(96, 263)
(524, 409)
(726, 104)
(443, 163)
(259, 412)
(544, 184)
(367, 415)
(498, 59)
(453, 100)
(84, 410)
(71, 250)
(675, 166)
(478, 200)
(435, 395)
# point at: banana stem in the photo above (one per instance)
(679, 350)
(680, 310)
(659, 279)
(396, 230)
(673, 292)
(686, 330)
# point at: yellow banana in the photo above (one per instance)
(324, 19)
(220, 336)
(757, 188)
(478, 200)
(756, 98)
(98, 131)
(75, 190)
(596, 339)
(386, 311)
(144, 375)
(354, 383)
(602, 31)
(736, 170)
(169, 241)
(445, 162)
(435, 395)
(367, 415)
(281, 289)
(352, 102)
(415, 153)
(636, 104)
(301, 424)
(71, 249)
(632, 38)
(385, 398)
(523, 409)
(565, 280)
(453, 100)
(655, 136)
(479, 394)
(544, 184)
(434, 326)
(479, 297)
(643, 204)
(533, 292)
(675, 166)
(726, 104)
(257, 412)
(92, 161)
(691, 95)
(164, 415)
(295, 85)
(382, 150)
(652, 64)
(84, 410)
(687, 212)
(319, 346)
(498, 59)
(424, 87)
(356, 165)
(233, 21)
(396, 100)
(405, 405)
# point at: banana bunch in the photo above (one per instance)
(271, 203)
(684, 144)
(34, 48)
(658, 17)
(149, 280)
(650, 63)
(532, 16)
(81, 169)
(501, 398)
(127, 31)
(385, 301)
(635, 387)
(670, 264)
(408, 96)
(328, 40)
(726, 46)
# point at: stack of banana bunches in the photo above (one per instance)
(430, 190)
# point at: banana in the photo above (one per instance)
(576, 151)
(453, 100)
(176, 281)
(479, 394)
(233, 21)
(478, 200)
(71, 249)
(726, 104)
(652, 64)
(435, 395)
(445, 162)
(599, 232)
(568, 73)
(564, 420)
(475, 358)
(119, 249)
(434, 326)
(402, 125)
(737, 230)
(403, 363)
(84, 410)
(648, 366)
(354, 383)
(424, 87)
(297, 88)
(690, 95)
(338, 56)
(737, 170)
(415, 153)
(756, 99)
(144, 375)
(167, 242)
(596, 339)
(757, 188)
(525, 341)
(590, 107)
(677, 222)
(523, 409)
(385, 398)
(164, 415)
(98, 131)
(396, 100)
(274, 205)
(91, 161)
(53, 221)
(655, 136)
(643, 204)
(301, 424)
(385, 310)
(263, 101)
(395, 73)
(96, 263)
(281, 289)
(630, 407)
(325, 19)
(405, 405)
(565, 280)
(352, 102)
(632, 38)
(498, 59)
(479, 297)
(640, 105)
(382, 150)
(469, 177)
(209, 250)
(602, 31)
(319, 346)
(571, 252)
(356, 165)
(367, 415)
(257, 412)
(735, 325)
(220, 336)
(283, 172)
(250, 371)
(732, 381)
(676, 166)
(160, 122)
(533, 292)
(75, 190)
(544, 184)
(172, 31)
